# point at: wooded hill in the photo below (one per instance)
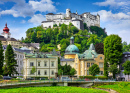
(49, 38)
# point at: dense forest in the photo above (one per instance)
(49, 38)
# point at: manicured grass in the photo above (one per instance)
(121, 87)
(57, 89)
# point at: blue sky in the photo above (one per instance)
(23, 14)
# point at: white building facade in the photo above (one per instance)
(46, 66)
(74, 18)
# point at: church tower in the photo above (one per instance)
(6, 32)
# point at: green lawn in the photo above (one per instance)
(57, 89)
(121, 87)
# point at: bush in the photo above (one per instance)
(55, 25)
(1, 77)
(38, 78)
(92, 77)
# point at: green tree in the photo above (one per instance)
(112, 51)
(1, 58)
(94, 70)
(60, 71)
(33, 70)
(113, 69)
(10, 62)
(74, 30)
(72, 71)
(98, 30)
(126, 66)
(93, 39)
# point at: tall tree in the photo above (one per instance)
(126, 66)
(10, 62)
(94, 70)
(1, 58)
(112, 51)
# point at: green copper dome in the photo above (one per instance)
(72, 37)
(72, 49)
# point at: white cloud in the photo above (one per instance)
(125, 34)
(109, 16)
(115, 4)
(37, 19)
(43, 6)
(110, 3)
(116, 23)
(57, 3)
(23, 21)
(23, 9)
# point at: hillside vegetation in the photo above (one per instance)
(49, 38)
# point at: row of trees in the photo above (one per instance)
(7, 66)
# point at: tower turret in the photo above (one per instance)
(72, 40)
(68, 13)
(6, 32)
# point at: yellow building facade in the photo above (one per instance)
(82, 62)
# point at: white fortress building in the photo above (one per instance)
(74, 18)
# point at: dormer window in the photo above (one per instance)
(100, 57)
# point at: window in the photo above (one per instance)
(45, 63)
(101, 73)
(88, 64)
(92, 64)
(52, 72)
(52, 63)
(38, 72)
(100, 57)
(101, 65)
(45, 72)
(38, 63)
(31, 64)
(87, 72)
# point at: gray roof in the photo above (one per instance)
(46, 21)
(35, 44)
(2, 38)
(62, 60)
(126, 53)
(18, 50)
(11, 39)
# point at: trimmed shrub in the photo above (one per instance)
(92, 77)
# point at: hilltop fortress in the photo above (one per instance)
(74, 18)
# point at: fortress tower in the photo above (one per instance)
(68, 13)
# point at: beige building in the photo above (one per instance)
(46, 65)
(82, 62)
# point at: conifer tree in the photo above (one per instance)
(10, 62)
(1, 58)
